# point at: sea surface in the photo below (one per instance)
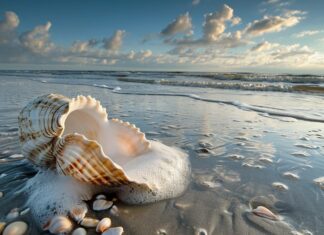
(252, 139)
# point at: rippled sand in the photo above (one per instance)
(241, 158)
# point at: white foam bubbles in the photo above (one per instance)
(50, 194)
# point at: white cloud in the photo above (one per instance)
(236, 20)
(211, 49)
(83, 46)
(182, 24)
(295, 50)
(7, 26)
(270, 24)
(37, 40)
(307, 33)
(264, 46)
(215, 23)
(10, 22)
(115, 42)
(214, 32)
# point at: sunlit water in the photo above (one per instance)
(239, 142)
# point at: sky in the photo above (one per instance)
(275, 36)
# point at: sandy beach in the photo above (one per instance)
(241, 156)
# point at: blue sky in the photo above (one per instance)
(205, 35)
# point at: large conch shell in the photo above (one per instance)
(74, 137)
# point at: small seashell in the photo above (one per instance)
(78, 212)
(236, 157)
(59, 224)
(89, 222)
(14, 213)
(101, 196)
(182, 206)
(114, 231)
(1, 194)
(161, 232)
(2, 225)
(79, 231)
(24, 212)
(114, 210)
(266, 160)
(103, 225)
(291, 175)
(265, 212)
(320, 182)
(200, 231)
(101, 204)
(16, 228)
(279, 186)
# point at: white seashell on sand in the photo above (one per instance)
(101, 204)
(236, 157)
(59, 224)
(265, 212)
(200, 231)
(89, 222)
(100, 196)
(79, 231)
(265, 160)
(78, 212)
(74, 137)
(114, 231)
(114, 210)
(291, 175)
(14, 213)
(161, 231)
(320, 182)
(16, 228)
(279, 186)
(24, 212)
(103, 225)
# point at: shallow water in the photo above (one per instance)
(239, 142)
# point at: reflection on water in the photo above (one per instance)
(241, 158)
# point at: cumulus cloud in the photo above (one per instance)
(182, 24)
(209, 49)
(236, 20)
(270, 24)
(307, 33)
(83, 46)
(215, 23)
(7, 26)
(37, 40)
(264, 46)
(214, 32)
(139, 56)
(294, 50)
(10, 22)
(115, 42)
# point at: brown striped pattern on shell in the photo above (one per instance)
(84, 160)
(37, 135)
(50, 139)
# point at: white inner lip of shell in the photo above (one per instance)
(117, 142)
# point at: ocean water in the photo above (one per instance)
(243, 133)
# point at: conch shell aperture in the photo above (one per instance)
(75, 138)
